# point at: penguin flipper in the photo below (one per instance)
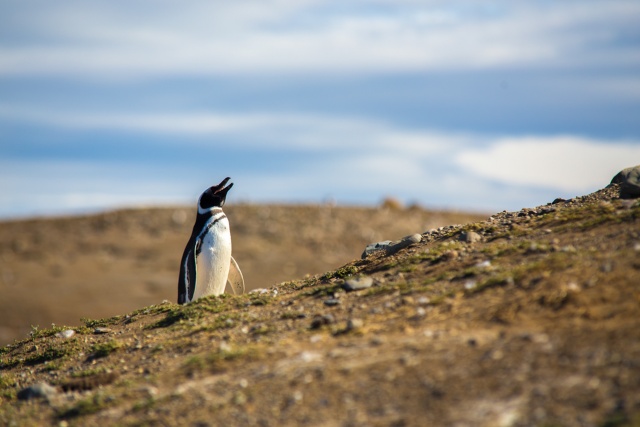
(235, 280)
(187, 279)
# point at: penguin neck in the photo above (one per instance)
(209, 211)
(204, 215)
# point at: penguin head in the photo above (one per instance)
(214, 196)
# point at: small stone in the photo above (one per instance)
(470, 284)
(377, 340)
(332, 302)
(484, 264)
(470, 237)
(607, 267)
(315, 338)
(101, 330)
(321, 320)
(68, 333)
(357, 283)
(423, 301)
(297, 396)
(354, 324)
(573, 287)
(414, 238)
(36, 391)
(405, 242)
(376, 247)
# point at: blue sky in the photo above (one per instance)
(483, 105)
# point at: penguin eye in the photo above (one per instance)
(208, 200)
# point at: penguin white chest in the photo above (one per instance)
(212, 262)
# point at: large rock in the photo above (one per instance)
(390, 247)
(629, 180)
(38, 390)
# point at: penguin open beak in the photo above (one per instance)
(220, 189)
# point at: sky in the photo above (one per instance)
(468, 105)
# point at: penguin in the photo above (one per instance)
(207, 264)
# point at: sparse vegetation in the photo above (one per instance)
(87, 406)
(216, 361)
(536, 324)
(104, 349)
(340, 273)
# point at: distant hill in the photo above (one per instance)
(63, 269)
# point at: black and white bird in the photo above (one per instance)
(207, 264)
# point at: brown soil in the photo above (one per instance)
(61, 270)
(537, 323)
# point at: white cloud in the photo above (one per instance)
(349, 159)
(284, 130)
(564, 163)
(114, 40)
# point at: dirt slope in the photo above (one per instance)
(61, 270)
(532, 319)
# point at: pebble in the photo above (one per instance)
(101, 330)
(470, 237)
(354, 324)
(357, 283)
(68, 333)
(484, 264)
(37, 390)
(573, 287)
(375, 247)
(321, 320)
(406, 241)
(331, 302)
(423, 301)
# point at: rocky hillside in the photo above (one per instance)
(529, 318)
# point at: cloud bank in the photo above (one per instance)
(464, 103)
(348, 159)
(110, 39)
